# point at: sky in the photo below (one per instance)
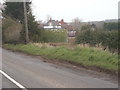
(86, 10)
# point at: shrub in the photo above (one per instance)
(11, 30)
(111, 26)
(105, 38)
(86, 27)
(54, 35)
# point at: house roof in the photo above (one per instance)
(53, 22)
(62, 22)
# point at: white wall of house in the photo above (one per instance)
(52, 27)
(48, 27)
(59, 27)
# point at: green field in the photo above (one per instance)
(83, 56)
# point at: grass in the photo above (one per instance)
(84, 56)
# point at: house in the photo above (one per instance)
(63, 24)
(71, 31)
(52, 24)
(57, 25)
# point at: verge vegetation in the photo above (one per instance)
(54, 35)
(108, 39)
(88, 57)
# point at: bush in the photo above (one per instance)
(105, 38)
(111, 26)
(11, 30)
(87, 37)
(54, 35)
(86, 27)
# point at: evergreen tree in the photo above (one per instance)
(34, 31)
(15, 10)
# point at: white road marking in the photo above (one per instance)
(12, 80)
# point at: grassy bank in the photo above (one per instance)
(79, 55)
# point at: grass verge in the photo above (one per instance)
(87, 57)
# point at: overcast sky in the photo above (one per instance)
(87, 10)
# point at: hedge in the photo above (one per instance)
(54, 35)
(105, 38)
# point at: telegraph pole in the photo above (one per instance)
(26, 23)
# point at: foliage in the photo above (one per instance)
(84, 56)
(16, 10)
(54, 36)
(11, 30)
(106, 38)
(33, 29)
(89, 27)
(111, 26)
(86, 27)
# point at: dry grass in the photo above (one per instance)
(46, 45)
(70, 45)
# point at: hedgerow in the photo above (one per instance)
(108, 39)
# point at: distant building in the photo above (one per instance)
(58, 25)
(71, 31)
(111, 20)
(53, 25)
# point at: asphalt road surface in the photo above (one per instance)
(7, 83)
(32, 72)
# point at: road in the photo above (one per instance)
(32, 72)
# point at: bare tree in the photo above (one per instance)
(76, 22)
(48, 17)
